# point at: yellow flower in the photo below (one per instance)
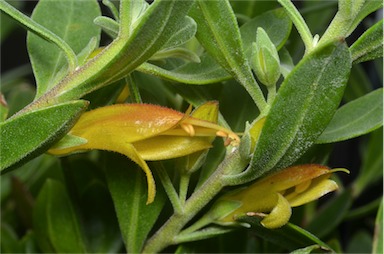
(273, 196)
(145, 132)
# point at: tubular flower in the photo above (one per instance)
(273, 196)
(144, 132)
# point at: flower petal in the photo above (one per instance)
(280, 214)
(209, 111)
(163, 147)
(132, 122)
(318, 188)
(293, 176)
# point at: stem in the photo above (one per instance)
(183, 189)
(133, 89)
(167, 234)
(41, 31)
(168, 187)
(271, 94)
(202, 222)
(341, 24)
(254, 91)
(299, 23)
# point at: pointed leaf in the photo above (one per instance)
(129, 50)
(109, 25)
(205, 72)
(88, 185)
(355, 118)
(289, 236)
(300, 111)
(56, 224)
(26, 136)
(185, 31)
(69, 21)
(128, 188)
(369, 46)
(208, 71)
(213, 18)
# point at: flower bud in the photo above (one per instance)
(265, 60)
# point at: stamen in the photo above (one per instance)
(253, 214)
(227, 141)
(230, 138)
(221, 134)
(188, 128)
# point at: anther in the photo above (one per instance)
(188, 128)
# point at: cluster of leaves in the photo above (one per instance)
(174, 53)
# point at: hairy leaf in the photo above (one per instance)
(26, 136)
(369, 45)
(289, 236)
(305, 103)
(56, 224)
(69, 21)
(128, 188)
(355, 118)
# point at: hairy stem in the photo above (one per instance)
(299, 23)
(167, 234)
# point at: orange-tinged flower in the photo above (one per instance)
(273, 196)
(144, 132)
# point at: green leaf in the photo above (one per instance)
(348, 18)
(208, 71)
(101, 226)
(69, 20)
(289, 236)
(179, 52)
(40, 30)
(32, 174)
(20, 96)
(358, 85)
(331, 215)
(369, 46)
(250, 9)
(26, 136)
(355, 118)
(151, 31)
(205, 72)
(276, 23)
(213, 18)
(378, 236)
(184, 32)
(9, 239)
(109, 25)
(286, 62)
(86, 52)
(128, 187)
(300, 113)
(368, 7)
(86, 182)
(372, 165)
(56, 224)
